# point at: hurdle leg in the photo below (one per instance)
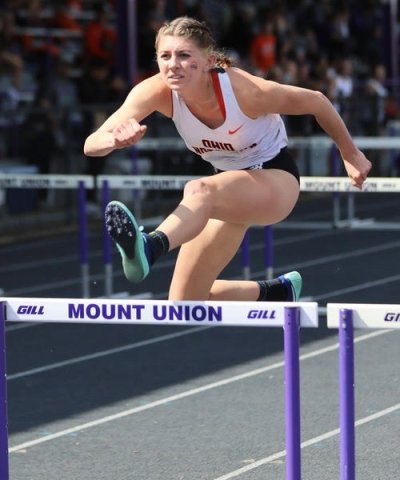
(245, 257)
(107, 256)
(346, 395)
(268, 253)
(292, 392)
(3, 397)
(83, 241)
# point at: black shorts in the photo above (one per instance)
(283, 161)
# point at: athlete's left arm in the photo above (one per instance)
(264, 96)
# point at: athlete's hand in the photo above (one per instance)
(357, 167)
(128, 133)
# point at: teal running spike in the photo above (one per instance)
(131, 243)
(294, 283)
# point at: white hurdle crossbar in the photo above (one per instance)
(346, 317)
(290, 316)
(307, 184)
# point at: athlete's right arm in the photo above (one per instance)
(122, 128)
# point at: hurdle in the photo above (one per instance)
(346, 317)
(291, 316)
(307, 184)
(68, 182)
(343, 185)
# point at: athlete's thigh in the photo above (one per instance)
(253, 196)
(201, 260)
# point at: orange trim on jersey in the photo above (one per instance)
(218, 92)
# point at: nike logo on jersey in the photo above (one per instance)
(231, 132)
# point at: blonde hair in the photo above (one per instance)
(196, 31)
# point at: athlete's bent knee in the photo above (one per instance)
(198, 186)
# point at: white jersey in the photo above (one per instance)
(240, 142)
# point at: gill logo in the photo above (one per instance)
(31, 309)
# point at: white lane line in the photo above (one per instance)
(343, 256)
(38, 263)
(21, 326)
(185, 394)
(307, 443)
(356, 288)
(334, 258)
(104, 353)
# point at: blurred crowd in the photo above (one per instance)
(338, 47)
(59, 76)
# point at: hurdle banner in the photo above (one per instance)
(51, 181)
(155, 312)
(289, 315)
(384, 316)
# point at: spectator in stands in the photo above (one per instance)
(63, 92)
(239, 31)
(275, 73)
(74, 5)
(231, 119)
(62, 18)
(149, 21)
(100, 38)
(376, 84)
(40, 48)
(263, 48)
(197, 9)
(11, 59)
(372, 111)
(340, 40)
(344, 79)
(39, 133)
(343, 89)
(99, 89)
(322, 77)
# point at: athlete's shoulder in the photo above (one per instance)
(241, 78)
(154, 92)
(249, 90)
(154, 85)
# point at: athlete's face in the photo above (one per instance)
(181, 62)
